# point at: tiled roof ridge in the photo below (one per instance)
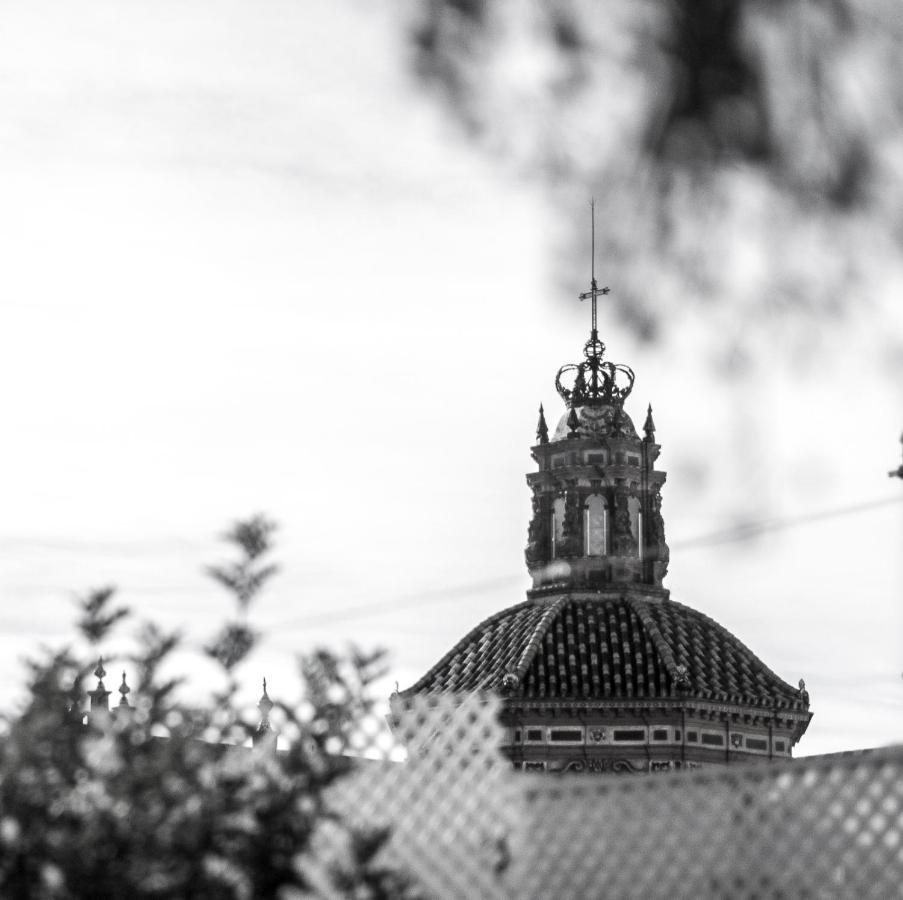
(663, 648)
(424, 680)
(730, 636)
(539, 632)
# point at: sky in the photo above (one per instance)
(250, 266)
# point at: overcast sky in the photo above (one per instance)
(247, 266)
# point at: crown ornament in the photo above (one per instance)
(595, 382)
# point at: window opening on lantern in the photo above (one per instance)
(636, 523)
(557, 525)
(596, 526)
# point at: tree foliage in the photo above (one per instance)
(745, 156)
(160, 799)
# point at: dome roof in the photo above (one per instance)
(615, 647)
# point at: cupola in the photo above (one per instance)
(597, 518)
(599, 670)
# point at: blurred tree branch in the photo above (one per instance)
(746, 157)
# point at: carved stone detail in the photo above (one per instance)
(572, 529)
(623, 539)
(614, 766)
(657, 529)
(538, 533)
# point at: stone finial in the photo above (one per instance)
(124, 689)
(573, 423)
(649, 426)
(100, 693)
(542, 430)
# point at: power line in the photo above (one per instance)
(422, 598)
(744, 532)
(748, 530)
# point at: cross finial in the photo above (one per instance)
(594, 291)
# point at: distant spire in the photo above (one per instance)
(649, 427)
(264, 705)
(542, 430)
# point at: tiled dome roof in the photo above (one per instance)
(607, 648)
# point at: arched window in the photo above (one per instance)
(636, 523)
(596, 529)
(557, 525)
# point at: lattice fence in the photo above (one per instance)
(464, 824)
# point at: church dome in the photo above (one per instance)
(599, 670)
(608, 647)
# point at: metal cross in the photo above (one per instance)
(594, 291)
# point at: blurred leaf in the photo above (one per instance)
(744, 156)
(232, 645)
(97, 618)
(243, 578)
